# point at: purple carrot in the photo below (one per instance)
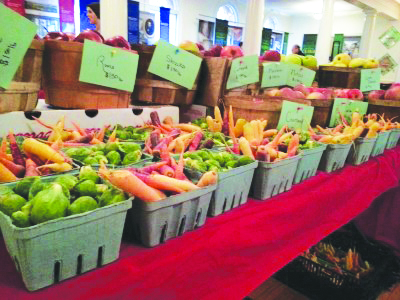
(194, 145)
(155, 138)
(15, 151)
(35, 159)
(207, 144)
(83, 139)
(155, 119)
(225, 125)
(317, 137)
(262, 155)
(153, 167)
(265, 141)
(167, 171)
(168, 139)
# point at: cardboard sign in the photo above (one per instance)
(16, 35)
(108, 66)
(244, 70)
(274, 74)
(175, 64)
(346, 107)
(295, 115)
(298, 74)
(370, 80)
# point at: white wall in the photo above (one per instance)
(284, 22)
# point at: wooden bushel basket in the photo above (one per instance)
(61, 69)
(22, 93)
(322, 112)
(391, 108)
(151, 88)
(346, 78)
(253, 107)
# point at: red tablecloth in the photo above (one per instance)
(233, 253)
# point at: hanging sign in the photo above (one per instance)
(370, 80)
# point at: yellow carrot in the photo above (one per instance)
(217, 126)
(76, 135)
(6, 175)
(210, 123)
(208, 178)
(244, 146)
(113, 136)
(187, 127)
(239, 127)
(282, 155)
(255, 128)
(248, 132)
(43, 151)
(57, 167)
(217, 115)
(269, 133)
(284, 137)
(327, 139)
(182, 184)
(272, 152)
(357, 132)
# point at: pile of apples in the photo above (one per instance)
(393, 93)
(272, 55)
(302, 92)
(344, 60)
(93, 35)
(215, 51)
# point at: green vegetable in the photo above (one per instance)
(99, 147)
(5, 190)
(199, 165)
(101, 158)
(228, 156)
(79, 153)
(231, 164)
(131, 129)
(132, 157)
(101, 188)
(213, 168)
(111, 147)
(195, 156)
(98, 153)
(86, 188)
(68, 181)
(113, 158)
(204, 154)
(111, 196)
(81, 205)
(49, 204)
(90, 160)
(10, 203)
(20, 219)
(219, 157)
(212, 162)
(36, 187)
(87, 173)
(128, 147)
(244, 160)
(123, 134)
(23, 186)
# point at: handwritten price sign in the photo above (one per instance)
(370, 80)
(346, 107)
(244, 70)
(108, 66)
(295, 115)
(298, 74)
(175, 64)
(274, 74)
(14, 42)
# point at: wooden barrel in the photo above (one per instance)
(391, 108)
(151, 88)
(251, 108)
(61, 69)
(213, 76)
(347, 78)
(322, 112)
(22, 93)
(20, 96)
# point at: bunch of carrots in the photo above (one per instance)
(37, 159)
(157, 181)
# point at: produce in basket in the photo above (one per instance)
(129, 133)
(33, 200)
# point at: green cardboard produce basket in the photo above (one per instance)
(361, 150)
(153, 223)
(308, 163)
(59, 249)
(393, 138)
(232, 190)
(271, 179)
(334, 157)
(380, 143)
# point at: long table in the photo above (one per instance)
(233, 253)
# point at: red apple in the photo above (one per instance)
(340, 93)
(70, 36)
(298, 95)
(88, 34)
(394, 84)
(355, 94)
(376, 95)
(271, 55)
(119, 42)
(200, 46)
(316, 96)
(393, 93)
(216, 51)
(286, 93)
(302, 88)
(231, 52)
(328, 93)
(59, 36)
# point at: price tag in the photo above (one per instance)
(244, 70)
(298, 74)
(175, 64)
(370, 80)
(16, 35)
(108, 66)
(274, 74)
(295, 115)
(346, 107)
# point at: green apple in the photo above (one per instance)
(339, 64)
(190, 46)
(310, 61)
(283, 57)
(357, 63)
(294, 59)
(343, 58)
(370, 63)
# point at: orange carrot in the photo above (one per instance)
(182, 184)
(4, 145)
(131, 184)
(6, 175)
(167, 171)
(31, 168)
(159, 185)
(78, 128)
(275, 141)
(95, 141)
(113, 136)
(102, 132)
(168, 121)
(207, 179)
(179, 168)
(17, 170)
(293, 145)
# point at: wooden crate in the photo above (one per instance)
(151, 88)
(346, 78)
(20, 96)
(61, 68)
(391, 108)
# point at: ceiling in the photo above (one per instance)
(310, 7)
